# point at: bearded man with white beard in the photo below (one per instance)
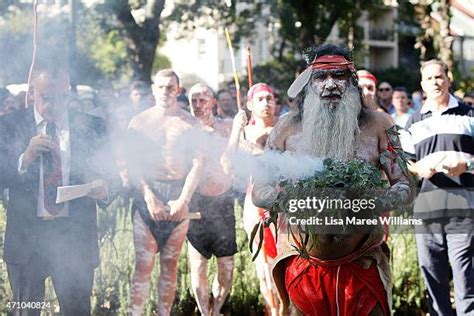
(349, 274)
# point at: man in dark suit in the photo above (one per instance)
(41, 148)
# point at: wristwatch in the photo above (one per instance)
(469, 165)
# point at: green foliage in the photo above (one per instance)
(5, 6)
(463, 83)
(354, 175)
(340, 180)
(52, 43)
(160, 62)
(5, 295)
(297, 23)
(104, 46)
(110, 54)
(140, 30)
(408, 287)
(277, 73)
(15, 46)
(400, 77)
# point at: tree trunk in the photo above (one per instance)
(142, 39)
(424, 41)
(445, 39)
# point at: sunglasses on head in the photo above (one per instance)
(384, 89)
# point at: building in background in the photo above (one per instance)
(463, 32)
(204, 56)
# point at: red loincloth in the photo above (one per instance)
(312, 285)
(269, 245)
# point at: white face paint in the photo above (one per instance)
(330, 85)
(368, 87)
(201, 104)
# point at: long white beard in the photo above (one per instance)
(329, 131)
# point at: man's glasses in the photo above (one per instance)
(384, 89)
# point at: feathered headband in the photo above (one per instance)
(325, 62)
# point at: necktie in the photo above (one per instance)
(52, 174)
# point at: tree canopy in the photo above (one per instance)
(141, 32)
(298, 23)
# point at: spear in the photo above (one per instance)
(33, 58)
(249, 65)
(234, 68)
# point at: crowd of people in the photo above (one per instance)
(173, 153)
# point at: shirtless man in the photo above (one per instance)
(167, 171)
(214, 233)
(368, 84)
(260, 100)
(333, 123)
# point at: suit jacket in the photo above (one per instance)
(74, 236)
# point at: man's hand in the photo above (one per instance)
(179, 209)
(455, 169)
(155, 206)
(239, 122)
(38, 145)
(98, 190)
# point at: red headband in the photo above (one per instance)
(329, 62)
(258, 87)
(367, 75)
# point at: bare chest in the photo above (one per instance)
(256, 135)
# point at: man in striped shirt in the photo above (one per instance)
(443, 144)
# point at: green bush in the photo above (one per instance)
(408, 290)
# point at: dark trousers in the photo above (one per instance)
(72, 283)
(451, 242)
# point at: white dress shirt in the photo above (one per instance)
(62, 132)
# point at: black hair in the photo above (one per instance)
(182, 98)
(310, 53)
(221, 91)
(140, 86)
(401, 89)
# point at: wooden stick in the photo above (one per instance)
(234, 68)
(190, 215)
(33, 58)
(193, 215)
(249, 66)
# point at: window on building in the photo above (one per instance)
(201, 48)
